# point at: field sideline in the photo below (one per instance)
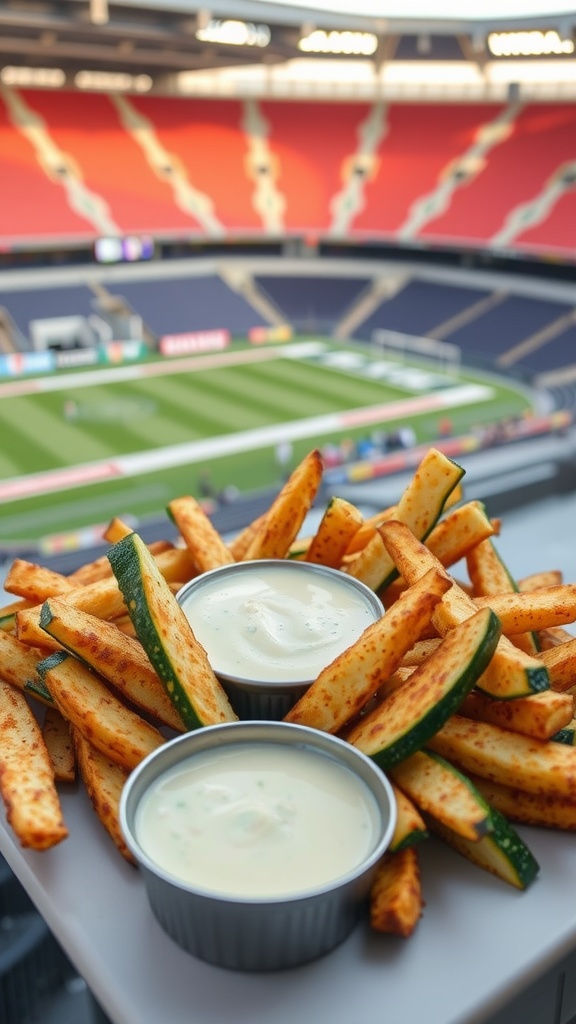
(77, 438)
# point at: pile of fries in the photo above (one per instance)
(81, 698)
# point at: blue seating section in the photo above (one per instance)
(553, 355)
(419, 308)
(506, 325)
(312, 303)
(182, 304)
(39, 303)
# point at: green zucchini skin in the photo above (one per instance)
(566, 736)
(442, 791)
(413, 838)
(502, 851)
(39, 687)
(409, 716)
(166, 636)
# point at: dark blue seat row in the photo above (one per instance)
(181, 304)
(310, 302)
(420, 308)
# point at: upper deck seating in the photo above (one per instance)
(554, 353)
(505, 326)
(420, 307)
(312, 302)
(179, 305)
(27, 305)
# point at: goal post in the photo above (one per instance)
(444, 355)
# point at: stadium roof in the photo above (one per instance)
(162, 39)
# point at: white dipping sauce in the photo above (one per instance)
(258, 820)
(271, 623)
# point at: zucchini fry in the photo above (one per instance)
(104, 781)
(27, 782)
(203, 542)
(116, 657)
(340, 522)
(18, 661)
(410, 825)
(408, 716)
(538, 766)
(501, 852)
(419, 508)
(284, 518)
(343, 687)
(58, 740)
(102, 718)
(396, 902)
(438, 788)
(510, 672)
(540, 714)
(35, 582)
(166, 635)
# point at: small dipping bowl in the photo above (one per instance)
(269, 626)
(258, 841)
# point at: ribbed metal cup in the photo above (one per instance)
(258, 934)
(272, 699)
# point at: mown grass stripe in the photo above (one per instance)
(346, 386)
(281, 398)
(203, 408)
(335, 390)
(111, 415)
(269, 401)
(45, 439)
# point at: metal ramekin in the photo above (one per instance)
(270, 700)
(252, 934)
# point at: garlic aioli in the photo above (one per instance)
(258, 820)
(277, 622)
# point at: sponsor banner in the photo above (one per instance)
(122, 351)
(260, 335)
(15, 364)
(67, 358)
(75, 540)
(194, 341)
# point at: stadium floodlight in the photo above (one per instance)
(45, 78)
(234, 33)
(532, 43)
(112, 81)
(347, 43)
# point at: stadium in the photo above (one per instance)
(234, 233)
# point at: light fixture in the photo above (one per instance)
(45, 78)
(348, 43)
(112, 81)
(234, 33)
(532, 43)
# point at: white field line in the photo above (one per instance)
(229, 444)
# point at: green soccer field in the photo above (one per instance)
(82, 447)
